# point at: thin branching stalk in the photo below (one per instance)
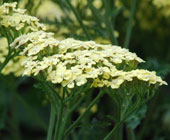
(72, 105)
(64, 122)
(51, 123)
(84, 114)
(50, 94)
(110, 29)
(112, 132)
(65, 119)
(109, 24)
(130, 133)
(96, 14)
(130, 24)
(128, 113)
(79, 19)
(59, 116)
(7, 59)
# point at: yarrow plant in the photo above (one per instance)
(74, 63)
(69, 70)
(14, 22)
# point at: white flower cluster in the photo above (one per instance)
(12, 17)
(40, 40)
(13, 23)
(72, 62)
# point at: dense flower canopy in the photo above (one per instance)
(12, 17)
(13, 23)
(72, 62)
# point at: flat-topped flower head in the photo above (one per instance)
(73, 63)
(39, 41)
(34, 43)
(16, 19)
(6, 8)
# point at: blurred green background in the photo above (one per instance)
(24, 109)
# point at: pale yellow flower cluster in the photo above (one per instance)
(15, 18)
(119, 77)
(164, 6)
(41, 40)
(73, 63)
(14, 65)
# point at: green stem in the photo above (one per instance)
(72, 105)
(118, 124)
(130, 24)
(77, 104)
(109, 24)
(79, 19)
(64, 125)
(112, 132)
(142, 131)
(130, 133)
(51, 94)
(75, 94)
(119, 133)
(59, 123)
(96, 13)
(52, 87)
(64, 122)
(51, 123)
(110, 29)
(7, 59)
(83, 115)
